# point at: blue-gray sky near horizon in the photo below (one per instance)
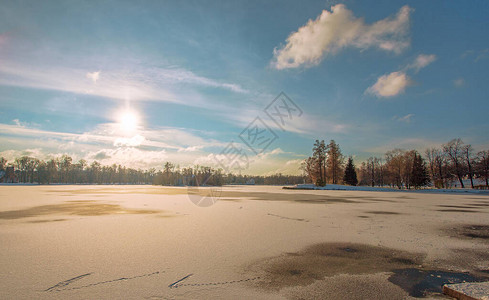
(141, 83)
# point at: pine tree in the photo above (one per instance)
(350, 176)
(419, 174)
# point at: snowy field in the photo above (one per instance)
(256, 242)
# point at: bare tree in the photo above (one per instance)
(51, 169)
(395, 165)
(482, 165)
(22, 166)
(438, 167)
(379, 171)
(469, 161)
(431, 155)
(319, 154)
(455, 152)
(371, 170)
(364, 175)
(334, 161)
(407, 168)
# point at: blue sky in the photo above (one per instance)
(140, 83)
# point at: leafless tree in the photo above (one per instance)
(469, 160)
(482, 165)
(395, 166)
(438, 167)
(334, 162)
(455, 152)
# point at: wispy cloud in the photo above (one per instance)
(459, 82)
(476, 54)
(332, 31)
(307, 123)
(140, 83)
(405, 119)
(409, 143)
(422, 61)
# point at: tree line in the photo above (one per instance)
(62, 170)
(441, 167)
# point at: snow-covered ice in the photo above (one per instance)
(94, 242)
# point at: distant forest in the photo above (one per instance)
(63, 170)
(442, 167)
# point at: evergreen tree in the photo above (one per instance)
(419, 175)
(350, 176)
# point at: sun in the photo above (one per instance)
(128, 121)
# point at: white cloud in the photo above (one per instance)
(395, 83)
(295, 162)
(147, 149)
(17, 122)
(191, 149)
(94, 76)
(390, 85)
(182, 145)
(11, 155)
(277, 160)
(422, 61)
(134, 141)
(405, 119)
(332, 31)
(289, 167)
(267, 154)
(459, 82)
(130, 157)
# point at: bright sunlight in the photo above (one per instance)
(128, 120)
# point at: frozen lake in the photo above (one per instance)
(255, 242)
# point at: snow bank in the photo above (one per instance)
(338, 187)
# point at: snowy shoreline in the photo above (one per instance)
(338, 187)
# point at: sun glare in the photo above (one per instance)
(128, 121)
